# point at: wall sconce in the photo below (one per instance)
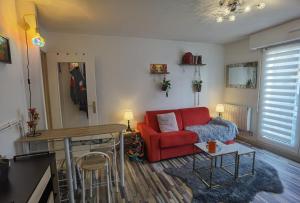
(37, 40)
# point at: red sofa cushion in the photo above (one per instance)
(180, 138)
(195, 116)
(151, 118)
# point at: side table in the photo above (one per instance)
(134, 145)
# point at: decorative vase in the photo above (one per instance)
(33, 122)
(187, 58)
(165, 89)
(197, 88)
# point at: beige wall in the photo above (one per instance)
(239, 52)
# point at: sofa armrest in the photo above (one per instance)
(151, 138)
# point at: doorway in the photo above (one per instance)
(72, 90)
(73, 94)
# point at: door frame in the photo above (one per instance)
(53, 58)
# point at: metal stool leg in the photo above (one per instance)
(83, 186)
(108, 179)
(115, 168)
(91, 184)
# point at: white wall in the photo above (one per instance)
(239, 52)
(12, 99)
(123, 78)
(283, 33)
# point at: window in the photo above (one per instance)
(280, 93)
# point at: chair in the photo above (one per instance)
(110, 146)
(90, 164)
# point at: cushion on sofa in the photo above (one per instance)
(151, 118)
(167, 122)
(180, 138)
(195, 116)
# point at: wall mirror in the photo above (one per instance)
(71, 91)
(241, 75)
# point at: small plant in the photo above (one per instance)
(33, 121)
(197, 85)
(166, 86)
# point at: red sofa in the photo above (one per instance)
(172, 144)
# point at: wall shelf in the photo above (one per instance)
(186, 64)
(160, 73)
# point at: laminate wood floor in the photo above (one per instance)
(147, 182)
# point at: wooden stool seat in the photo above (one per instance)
(92, 163)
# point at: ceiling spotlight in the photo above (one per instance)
(219, 19)
(247, 9)
(231, 18)
(261, 5)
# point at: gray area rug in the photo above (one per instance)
(243, 189)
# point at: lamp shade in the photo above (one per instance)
(128, 115)
(220, 108)
(38, 40)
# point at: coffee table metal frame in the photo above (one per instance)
(237, 165)
(212, 166)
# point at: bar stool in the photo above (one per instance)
(90, 164)
(110, 146)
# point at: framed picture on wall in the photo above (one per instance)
(5, 56)
(158, 68)
(242, 75)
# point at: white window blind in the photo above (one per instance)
(280, 93)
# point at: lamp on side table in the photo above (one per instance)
(128, 115)
(220, 109)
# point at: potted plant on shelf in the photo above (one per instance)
(166, 86)
(197, 85)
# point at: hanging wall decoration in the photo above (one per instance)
(166, 86)
(191, 60)
(162, 69)
(158, 68)
(197, 85)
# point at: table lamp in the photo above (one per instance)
(220, 109)
(128, 115)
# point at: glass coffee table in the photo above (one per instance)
(222, 150)
(242, 151)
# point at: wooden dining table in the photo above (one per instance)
(66, 134)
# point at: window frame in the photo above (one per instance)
(294, 149)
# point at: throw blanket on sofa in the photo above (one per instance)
(216, 129)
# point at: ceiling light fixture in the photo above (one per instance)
(261, 5)
(231, 18)
(247, 9)
(229, 9)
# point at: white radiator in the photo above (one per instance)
(240, 115)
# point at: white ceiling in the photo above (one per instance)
(184, 20)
